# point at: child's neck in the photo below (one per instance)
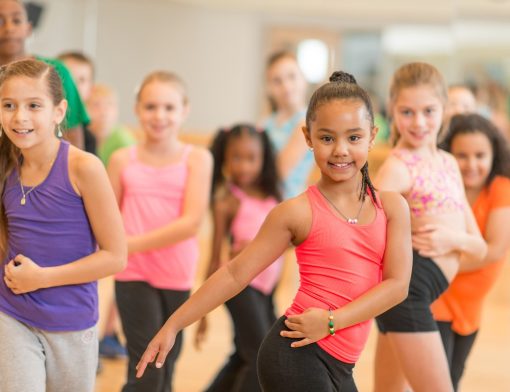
(472, 194)
(39, 156)
(251, 189)
(162, 147)
(285, 113)
(350, 188)
(424, 150)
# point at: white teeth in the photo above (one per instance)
(341, 165)
(23, 131)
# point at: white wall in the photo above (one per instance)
(215, 52)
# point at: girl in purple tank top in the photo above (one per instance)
(353, 247)
(245, 189)
(162, 187)
(60, 231)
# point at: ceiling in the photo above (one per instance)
(369, 11)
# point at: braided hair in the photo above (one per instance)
(343, 85)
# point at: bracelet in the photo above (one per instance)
(331, 323)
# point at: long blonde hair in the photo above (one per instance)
(9, 153)
(411, 75)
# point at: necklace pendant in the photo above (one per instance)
(352, 221)
(23, 201)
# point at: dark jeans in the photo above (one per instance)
(252, 315)
(457, 349)
(282, 368)
(143, 310)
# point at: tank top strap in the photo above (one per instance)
(237, 192)
(133, 153)
(410, 159)
(185, 152)
(317, 201)
(59, 173)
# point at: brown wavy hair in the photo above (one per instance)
(9, 154)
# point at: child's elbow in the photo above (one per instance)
(120, 260)
(400, 291)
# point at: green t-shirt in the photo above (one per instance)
(118, 138)
(76, 113)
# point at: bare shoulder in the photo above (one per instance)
(199, 156)
(393, 175)
(296, 214)
(393, 203)
(85, 169)
(82, 163)
(120, 157)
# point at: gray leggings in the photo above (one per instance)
(33, 360)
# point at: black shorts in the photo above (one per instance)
(413, 314)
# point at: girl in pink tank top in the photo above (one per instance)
(162, 187)
(353, 250)
(245, 189)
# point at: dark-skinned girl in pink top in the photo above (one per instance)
(353, 250)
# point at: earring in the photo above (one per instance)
(310, 148)
(59, 131)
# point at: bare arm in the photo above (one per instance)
(270, 242)
(498, 240)
(89, 178)
(312, 325)
(292, 153)
(196, 201)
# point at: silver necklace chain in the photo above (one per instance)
(352, 221)
(23, 200)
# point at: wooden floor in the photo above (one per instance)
(487, 369)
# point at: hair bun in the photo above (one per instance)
(342, 77)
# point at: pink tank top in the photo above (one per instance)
(249, 218)
(434, 190)
(152, 198)
(338, 262)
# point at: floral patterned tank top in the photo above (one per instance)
(434, 190)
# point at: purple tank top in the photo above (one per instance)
(52, 229)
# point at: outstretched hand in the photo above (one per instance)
(309, 326)
(157, 349)
(22, 275)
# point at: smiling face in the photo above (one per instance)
(340, 136)
(418, 114)
(161, 110)
(244, 159)
(28, 115)
(474, 155)
(14, 29)
(83, 76)
(286, 84)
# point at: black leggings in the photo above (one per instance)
(143, 310)
(282, 368)
(252, 315)
(457, 349)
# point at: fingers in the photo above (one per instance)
(301, 343)
(292, 326)
(147, 357)
(292, 334)
(161, 357)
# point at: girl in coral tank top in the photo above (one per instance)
(353, 249)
